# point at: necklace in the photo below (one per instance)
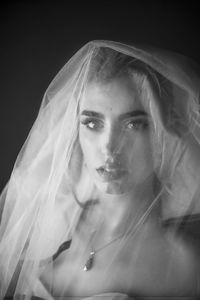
(90, 261)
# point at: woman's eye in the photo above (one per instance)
(137, 124)
(92, 124)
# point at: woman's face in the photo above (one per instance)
(114, 135)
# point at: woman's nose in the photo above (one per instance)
(111, 142)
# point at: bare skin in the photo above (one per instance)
(152, 263)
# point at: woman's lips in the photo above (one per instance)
(109, 174)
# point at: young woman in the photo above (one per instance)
(105, 190)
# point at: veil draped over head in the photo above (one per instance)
(49, 185)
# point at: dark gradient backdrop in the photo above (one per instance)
(38, 37)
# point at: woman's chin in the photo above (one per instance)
(112, 188)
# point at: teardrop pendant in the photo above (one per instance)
(89, 262)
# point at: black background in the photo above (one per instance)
(38, 37)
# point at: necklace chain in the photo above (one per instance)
(107, 244)
(90, 261)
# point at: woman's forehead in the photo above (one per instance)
(120, 95)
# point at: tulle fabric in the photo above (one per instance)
(32, 227)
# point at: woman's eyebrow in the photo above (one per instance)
(134, 113)
(131, 114)
(90, 113)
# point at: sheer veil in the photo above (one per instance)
(49, 172)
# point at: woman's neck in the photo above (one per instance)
(114, 214)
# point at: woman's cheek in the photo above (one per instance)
(89, 144)
(139, 152)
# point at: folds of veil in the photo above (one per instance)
(32, 226)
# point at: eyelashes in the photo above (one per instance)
(137, 124)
